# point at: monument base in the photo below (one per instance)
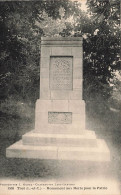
(83, 147)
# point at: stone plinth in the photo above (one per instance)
(60, 112)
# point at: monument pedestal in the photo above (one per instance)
(83, 147)
(60, 132)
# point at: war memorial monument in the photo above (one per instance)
(60, 131)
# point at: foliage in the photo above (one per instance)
(116, 94)
(15, 108)
(22, 25)
(102, 47)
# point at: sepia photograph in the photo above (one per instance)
(60, 100)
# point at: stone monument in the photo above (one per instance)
(60, 112)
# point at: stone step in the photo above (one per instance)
(59, 139)
(98, 153)
(82, 132)
(63, 129)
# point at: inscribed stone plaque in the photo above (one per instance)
(59, 117)
(61, 71)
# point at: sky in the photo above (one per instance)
(83, 4)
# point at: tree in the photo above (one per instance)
(23, 24)
(102, 47)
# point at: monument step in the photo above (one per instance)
(76, 132)
(59, 139)
(87, 133)
(63, 129)
(98, 153)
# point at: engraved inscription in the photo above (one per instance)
(61, 73)
(59, 117)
